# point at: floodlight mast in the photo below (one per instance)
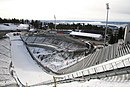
(107, 7)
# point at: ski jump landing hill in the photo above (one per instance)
(27, 70)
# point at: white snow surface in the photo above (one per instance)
(27, 70)
(92, 83)
(95, 83)
(54, 62)
(97, 36)
(13, 26)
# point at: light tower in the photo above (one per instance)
(107, 7)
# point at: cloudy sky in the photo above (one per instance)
(65, 9)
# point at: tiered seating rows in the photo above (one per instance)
(5, 60)
(58, 42)
(100, 56)
(119, 78)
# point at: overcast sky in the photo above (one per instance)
(65, 9)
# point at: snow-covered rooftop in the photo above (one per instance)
(10, 26)
(96, 36)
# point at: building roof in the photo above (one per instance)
(96, 36)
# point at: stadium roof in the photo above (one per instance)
(96, 36)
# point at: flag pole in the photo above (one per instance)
(107, 6)
(55, 21)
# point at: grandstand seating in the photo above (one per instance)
(99, 56)
(63, 43)
(59, 42)
(5, 77)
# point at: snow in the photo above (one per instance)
(96, 36)
(30, 73)
(23, 26)
(92, 83)
(10, 26)
(52, 60)
(27, 70)
(95, 83)
(32, 30)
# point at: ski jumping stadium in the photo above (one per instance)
(36, 61)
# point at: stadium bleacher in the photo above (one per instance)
(71, 49)
(6, 78)
(60, 42)
(99, 56)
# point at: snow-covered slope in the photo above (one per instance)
(26, 68)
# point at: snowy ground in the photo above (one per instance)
(52, 60)
(26, 69)
(92, 83)
(10, 26)
(96, 83)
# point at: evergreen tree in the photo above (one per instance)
(1, 20)
(111, 41)
(121, 33)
